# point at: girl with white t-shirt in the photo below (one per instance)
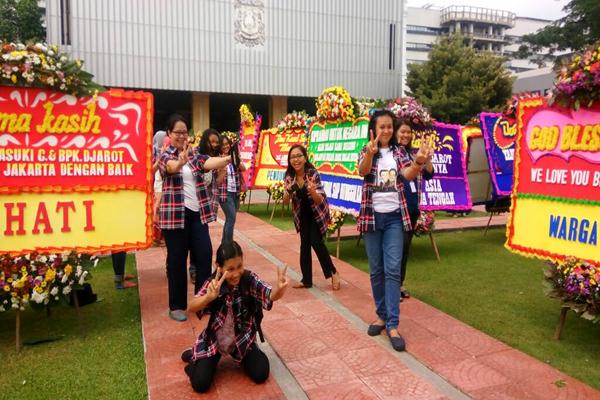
(384, 217)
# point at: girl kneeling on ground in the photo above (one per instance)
(236, 310)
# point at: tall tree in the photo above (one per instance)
(578, 28)
(29, 19)
(8, 21)
(457, 83)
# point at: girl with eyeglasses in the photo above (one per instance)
(303, 187)
(184, 213)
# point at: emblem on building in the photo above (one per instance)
(249, 26)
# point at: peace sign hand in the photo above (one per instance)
(424, 154)
(372, 146)
(311, 187)
(184, 155)
(214, 287)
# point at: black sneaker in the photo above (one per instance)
(187, 355)
(375, 330)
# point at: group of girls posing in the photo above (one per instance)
(229, 295)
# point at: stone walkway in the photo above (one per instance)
(318, 346)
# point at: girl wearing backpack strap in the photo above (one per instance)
(231, 331)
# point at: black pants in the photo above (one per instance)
(118, 262)
(195, 240)
(310, 236)
(406, 246)
(202, 372)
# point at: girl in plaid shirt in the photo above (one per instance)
(311, 215)
(412, 189)
(184, 213)
(227, 191)
(232, 297)
(384, 217)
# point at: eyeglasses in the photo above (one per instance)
(180, 133)
(297, 157)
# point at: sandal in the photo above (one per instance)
(129, 277)
(335, 281)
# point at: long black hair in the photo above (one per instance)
(399, 123)
(228, 250)
(290, 171)
(204, 146)
(373, 123)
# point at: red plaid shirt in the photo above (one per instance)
(245, 334)
(366, 217)
(220, 189)
(320, 211)
(171, 214)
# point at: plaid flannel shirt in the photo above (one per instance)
(220, 189)
(206, 345)
(171, 214)
(418, 181)
(320, 211)
(366, 216)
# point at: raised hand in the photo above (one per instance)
(372, 146)
(311, 187)
(424, 154)
(184, 155)
(214, 287)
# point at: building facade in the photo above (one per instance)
(271, 49)
(205, 58)
(485, 29)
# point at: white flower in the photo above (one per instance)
(37, 297)
(66, 290)
(64, 279)
(54, 291)
(20, 47)
(51, 53)
(2, 309)
(43, 259)
(52, 257)
(82, 279)
(15, 306)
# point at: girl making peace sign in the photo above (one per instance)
(311, 214)
(234, 298)
(384, 218)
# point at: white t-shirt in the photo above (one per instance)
(190, 198)
(158, 181)
(385, 194)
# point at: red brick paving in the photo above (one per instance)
(328, 356)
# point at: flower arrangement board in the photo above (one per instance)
(271, 159)
(75, 173)
(556, 195)
(499, 133)
(333, 149)
(248, 145)
(449, 188)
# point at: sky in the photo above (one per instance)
(544, 9)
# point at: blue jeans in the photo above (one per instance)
(230, 207)
(384, 250)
